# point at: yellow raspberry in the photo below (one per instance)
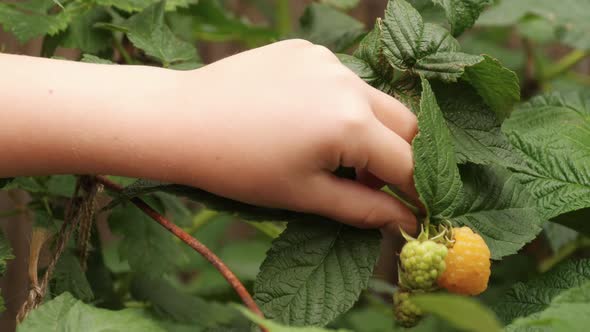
(467, 264)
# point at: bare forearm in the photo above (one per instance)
(67, 117)
(265, 127)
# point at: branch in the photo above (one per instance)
(193, 243)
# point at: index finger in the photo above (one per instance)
(393, 114)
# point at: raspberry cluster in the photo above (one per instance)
(456, 259)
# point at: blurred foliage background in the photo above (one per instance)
(545, 45)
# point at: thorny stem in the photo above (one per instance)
(193, 243)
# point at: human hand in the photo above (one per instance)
(267, 127)
(271, 125)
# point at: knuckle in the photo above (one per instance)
(354, 123)
(324, 52)
(345, 76)
(299, 42)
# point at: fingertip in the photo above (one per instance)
(394, 114)
(402, 218)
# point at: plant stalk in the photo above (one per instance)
(121, 49)
(193, 243)
(565, 64)
(565, 252)
(283, 17)
(200, 220)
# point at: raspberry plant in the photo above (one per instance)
(511, 170)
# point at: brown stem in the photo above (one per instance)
(531, 84)
(193, 243)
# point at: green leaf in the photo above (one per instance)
(112, 259)
(524, 299)
(489, 42)
(558, 235)
(4, 182)
(2, 307)
(368, 319)
(30, 19)
(446, 66)
(371, 64)
(5, 253)
(315, 271)
(405, 36)
(170, 303)
(324, 25)
(148, 31)
(409, 43)
(370, 50)
(82, 34)
(342, 4)
(89, 58)
(65, 313)
(126, 5)
(402, 33)
(211, 234)
(537, 29)
(245, 257)
(212, 22)
(190, 65)
(576, 220)
(275, 327)
(475, 129)
(462, 13)
(146, 245)
(498, 207)
(462, 312)
(101, 280)
(69, 277)
(507, 272)
(435, 169)
(569, 311)
(568, 16)
(138, 5)
(497, 85)
(360, 67)
(27, 183)
(61, 185)
(176, 209)
(552, 135)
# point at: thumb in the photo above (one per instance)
(357, 205)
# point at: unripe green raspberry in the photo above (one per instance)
(422, 263)
(407, 314)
